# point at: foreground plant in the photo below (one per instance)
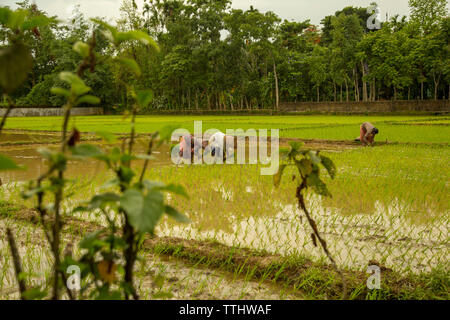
(131, 212)
(308, 164)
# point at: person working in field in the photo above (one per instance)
(367, 133)
(219, 142)
(192, 144)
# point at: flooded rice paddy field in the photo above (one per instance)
(390, 204)
(156, 277)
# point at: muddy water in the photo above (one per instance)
(25, 154)
(21, 147)
(386, 236)
(30, 137)
(180, 280)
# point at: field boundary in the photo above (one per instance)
(400, 107)
(51, 111)
(350, 107)
(324, 144)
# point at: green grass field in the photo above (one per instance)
(390, 203)
(411, 129)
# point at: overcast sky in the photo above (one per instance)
(298, 10)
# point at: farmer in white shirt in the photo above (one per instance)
(218, 145)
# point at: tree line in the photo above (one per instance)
(215, 57)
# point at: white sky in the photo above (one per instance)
(298, 10)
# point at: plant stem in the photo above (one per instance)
(130, 254)
(312, 223)
(17, 263)
(133, 132)
(58, 199)
(149, 153)
(8, 110)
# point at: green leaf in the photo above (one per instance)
(305, 167)
(176, 189)
(111, 183)
(277, 176)
(34, 294)
(118, 242)
(17, 18)
(76, 84)
(58, 160)
(91, 241)
(5, 14)
(111, 33)
(105, 198)
(88, 151)
(132, 201)
(15, 61)
(126, 174)
(317, 185)
(130, 64)
(165, 133)
(144, 97)
(81, 48)
(60, 92)
(153, 210)
(115, 154)
(151, 185)
(37, 21)
(143, 212)
(88, 99)
(160, 186)
(30, 193)
(126, 158)
(136, 35)
(172, 212)
(8, 164)
(295, 145)
(315, 158)
(70, 78)
(329, 165)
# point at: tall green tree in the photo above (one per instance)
(428, 13)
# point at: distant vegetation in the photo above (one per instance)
(216, 57)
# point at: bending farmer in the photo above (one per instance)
(367, 133)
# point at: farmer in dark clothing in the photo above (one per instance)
(367, 133)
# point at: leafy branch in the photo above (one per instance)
(308, 164)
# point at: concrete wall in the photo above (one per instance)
(42, 112)
(368, 107)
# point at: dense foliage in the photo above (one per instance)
(215, 57)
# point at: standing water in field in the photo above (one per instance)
(386, 236)
(22, 148)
